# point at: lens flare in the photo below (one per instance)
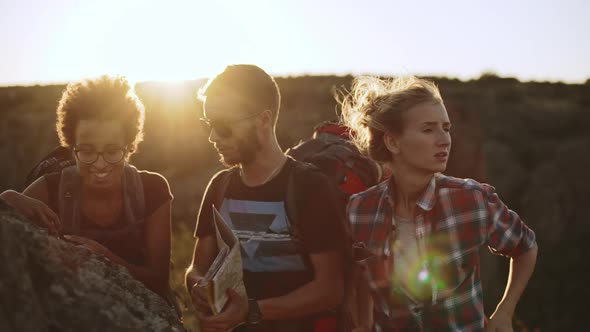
(431, 269)
(423, 275)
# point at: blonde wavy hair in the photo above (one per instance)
(375, 106)
(104, 98)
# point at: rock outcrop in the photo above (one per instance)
(47, 284)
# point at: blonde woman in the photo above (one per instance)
(425, 228)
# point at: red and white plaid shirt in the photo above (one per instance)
(455, 218)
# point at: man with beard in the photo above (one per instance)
(293, 266)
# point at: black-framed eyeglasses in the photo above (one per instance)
(110, 155)
(223, 127)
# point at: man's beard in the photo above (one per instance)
(246, 149)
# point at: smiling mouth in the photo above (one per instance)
(102, 175)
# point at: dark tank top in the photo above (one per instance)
(127, 243)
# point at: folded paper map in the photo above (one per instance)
(226, 270)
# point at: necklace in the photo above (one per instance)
(272, 174)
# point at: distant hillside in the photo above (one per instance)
(529, 140)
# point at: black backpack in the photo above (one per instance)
(331, 150)
(58, 159)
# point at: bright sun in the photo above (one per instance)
(178, 40)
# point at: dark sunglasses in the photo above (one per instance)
(223, 127)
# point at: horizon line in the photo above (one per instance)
(25, 83)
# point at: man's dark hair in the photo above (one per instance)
(250, 84)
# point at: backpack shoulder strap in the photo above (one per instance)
(292, 197)
(70, 196)
(223, 180)
(290, 201)
(69, 199)
(134, 195)
(58, 159)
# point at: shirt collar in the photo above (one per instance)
(427, 199)
(426, 202)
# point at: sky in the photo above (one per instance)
(56, 41)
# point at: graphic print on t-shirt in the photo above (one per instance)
(263, 232)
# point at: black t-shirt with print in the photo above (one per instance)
(272, 264)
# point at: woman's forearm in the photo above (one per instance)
(521, 269)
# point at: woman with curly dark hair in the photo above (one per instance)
(103, 202)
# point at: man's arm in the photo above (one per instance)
(206, 244)
(324, 292)
(320, 221)
(521, 269)
(203, 255)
